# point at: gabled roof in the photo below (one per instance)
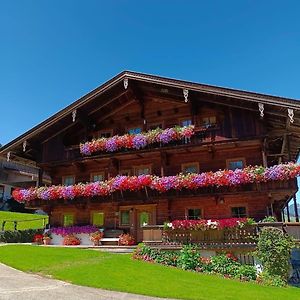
(160, 85)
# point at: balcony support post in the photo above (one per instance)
(288, 212)
(296, 208)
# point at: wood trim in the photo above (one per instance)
(235, 159)
(190, 164)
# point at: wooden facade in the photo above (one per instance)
(233, 129)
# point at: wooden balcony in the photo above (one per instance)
(227, 238)
(201, 136)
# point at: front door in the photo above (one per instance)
(144, 216)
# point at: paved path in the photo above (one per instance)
(18, 285)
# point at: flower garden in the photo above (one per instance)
(137, 141)
(221, 178)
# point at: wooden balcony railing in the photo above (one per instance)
(213, 238)
(201, 135)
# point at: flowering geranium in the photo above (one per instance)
(126, 239)
(137, 141)
(163, 184)
(206, 224)
(71, 240)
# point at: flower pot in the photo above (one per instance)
(96, 242)
(46, 241)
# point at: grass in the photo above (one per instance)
(22, 218)
(120, 273)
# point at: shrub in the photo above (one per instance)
(274, 280)
(71, 240)
(225, 264)
(246, 272)
(189, 258)
(126, 239)
(269, 219)
(274, 251)
(19, 236)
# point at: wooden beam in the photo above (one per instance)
(282, 148)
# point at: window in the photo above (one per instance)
(233, 164)
(144, 218)
(209, 121)
(194, 214)
(103, 134)
(238, 212)
(190, 168)
(97, 176)
(68, 180)
(135, 130)
(1, 192)
(142, 170)
(125, 172)
(186, 122)
(155, 126)
(125, 218)
(98, 219)
(68, 220)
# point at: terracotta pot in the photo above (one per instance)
(46, 241)
(96, 242)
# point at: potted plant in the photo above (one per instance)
(38, 239)
(71, 240)
(47, 238)
(96, 237)
(126, 239)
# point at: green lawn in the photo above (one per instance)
(119, 272)
(21, 218)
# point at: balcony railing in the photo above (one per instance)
(201, 136)
(245, 237)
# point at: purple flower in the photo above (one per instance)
(85, 149)
(111, 144)
(166, 136)
(139, 141)
(74, 230)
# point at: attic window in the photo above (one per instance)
(135, 130)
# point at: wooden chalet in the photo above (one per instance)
(233, 129)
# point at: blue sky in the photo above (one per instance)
(53, 52)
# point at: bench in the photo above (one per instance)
(111, 237)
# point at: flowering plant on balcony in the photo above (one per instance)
(64, 231)
(137, 141)
(230, 178)
(207, 224)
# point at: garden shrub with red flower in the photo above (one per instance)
(250, 174)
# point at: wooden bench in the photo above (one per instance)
(111, 237)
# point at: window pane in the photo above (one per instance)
(143, 171)
(238, 164)
(194, 214)
(68, 220)
(68, 180)
(238, 212)
(190, 169)
(125, 217)
(209, 121)
(97, 177)
(135, 130)
(144, 218)
(186, 122)
(98, 219)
